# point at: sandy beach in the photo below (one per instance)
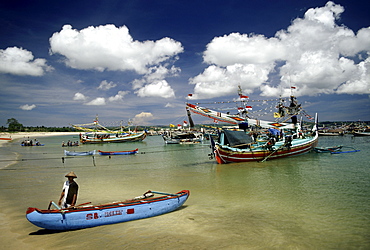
(19, 135)
(10, 158)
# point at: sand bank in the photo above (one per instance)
(19, 135)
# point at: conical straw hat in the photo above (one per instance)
(71, 174)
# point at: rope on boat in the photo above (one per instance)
(273, 152)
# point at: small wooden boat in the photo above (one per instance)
(130, 152)
(327, 149)
(352, 150)
(335, 150)
(28, 145)
(74, 153)
(342, 152)
(78, 217)
(361, 133)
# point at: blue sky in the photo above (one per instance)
(64, 62)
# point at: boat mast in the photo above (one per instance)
(96, 122)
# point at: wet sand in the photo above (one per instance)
(306, 202)
(9, 238)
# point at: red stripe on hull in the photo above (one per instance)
(227, 156)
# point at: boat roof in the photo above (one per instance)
(236, 137)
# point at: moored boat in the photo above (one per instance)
(79, 217)
(6, 139)
(93, 138)
(118, 152)
(327, 149)
(182, 138)
(238, 146)
(361, 133)
(284, 139)
(100, 134)
(74, 153)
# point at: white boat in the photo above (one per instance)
(182, 137)
(74, 153)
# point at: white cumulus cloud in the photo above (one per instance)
(108, 47)
(104, 85)
(118, 97)
(79, 97)
(143, 118)
(19, 61)
(27, 107)
(217, 81)
(156, 89)
(314, 53)
(97, 101)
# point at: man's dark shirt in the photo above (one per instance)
(72, 190)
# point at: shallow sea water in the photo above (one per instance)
(313, 201)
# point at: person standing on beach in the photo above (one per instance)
(68, 197)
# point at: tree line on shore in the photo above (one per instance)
(15, 126)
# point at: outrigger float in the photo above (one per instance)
(85, 216)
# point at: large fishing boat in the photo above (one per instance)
(182, 137)
(84, 216)
(97, 133)
(94, 138)
(259, 140)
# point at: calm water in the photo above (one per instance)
(314, 201)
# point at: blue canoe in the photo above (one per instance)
(117, 212)
(118, 152)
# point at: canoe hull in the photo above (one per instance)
(93, 216)
(118, 152)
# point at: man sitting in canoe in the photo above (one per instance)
(68, 197)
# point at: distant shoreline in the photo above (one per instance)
(18, 135)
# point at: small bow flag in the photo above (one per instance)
(292, 87)
(248, 107)
(243, 96)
